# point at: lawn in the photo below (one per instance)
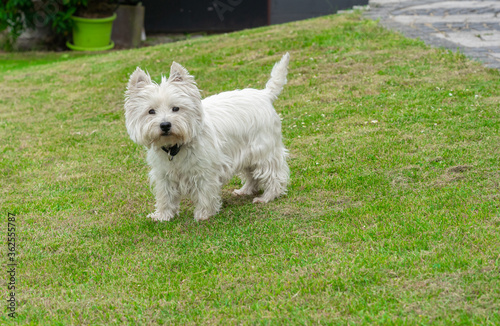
(392, 214)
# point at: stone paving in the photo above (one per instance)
(473, 27)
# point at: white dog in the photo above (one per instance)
(195, 146)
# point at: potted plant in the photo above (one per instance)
(92, 25)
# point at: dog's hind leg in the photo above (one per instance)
(251, 185)
(272, 175)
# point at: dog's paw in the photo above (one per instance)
(157, 216)
(201, 217)
(260, 200)
(239, 192)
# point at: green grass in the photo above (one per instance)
(13, 61)
(392, 214)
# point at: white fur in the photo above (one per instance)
(236, 132)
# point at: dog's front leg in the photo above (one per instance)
(207, 200)
(167, 200)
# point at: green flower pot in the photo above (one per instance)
(92, 34)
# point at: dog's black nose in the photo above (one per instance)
(165, 126)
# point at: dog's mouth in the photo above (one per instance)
(167, 133)
(168, 138)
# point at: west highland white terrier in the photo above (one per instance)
(195, 146)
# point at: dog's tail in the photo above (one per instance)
(278, 77)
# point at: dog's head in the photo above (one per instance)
(165, 114)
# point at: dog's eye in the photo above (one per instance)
(152, 111)
(175, 109)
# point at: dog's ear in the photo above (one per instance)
(179, 74)
(138, 79)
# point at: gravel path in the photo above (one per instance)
(471, 26)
